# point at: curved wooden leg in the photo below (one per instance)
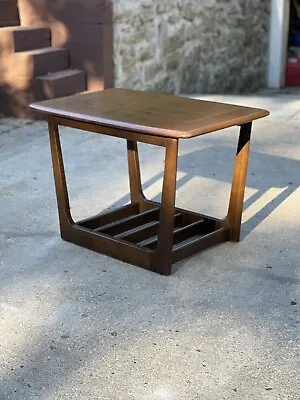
(163, 257)
(136, 190)
(63, 204)
(235, 209)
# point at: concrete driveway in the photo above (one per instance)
(78, 325)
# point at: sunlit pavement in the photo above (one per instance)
(225, 325)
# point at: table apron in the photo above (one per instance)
(105, 130)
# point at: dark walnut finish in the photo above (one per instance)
(145, 233)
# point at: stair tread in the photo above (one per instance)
(61, 74)
(62, 83)
(43, 50)
(7, 24)
(18, 39)
(24, 28)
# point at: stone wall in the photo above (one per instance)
(182, 46)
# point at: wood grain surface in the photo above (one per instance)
(148, 112)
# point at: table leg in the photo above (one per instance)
(63, 204)
(163, 257)
(136, 190)
(235, 209)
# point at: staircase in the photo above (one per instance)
(31, 70)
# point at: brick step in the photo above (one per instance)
(15, 101)
(39, 62)
(9, 14)
(20, 39)
(4, 24)
(62, 83)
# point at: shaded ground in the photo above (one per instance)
(78, 325)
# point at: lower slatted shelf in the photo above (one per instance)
(140, 229)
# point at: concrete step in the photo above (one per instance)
(62, 83)
(19, 38)
(39, 62)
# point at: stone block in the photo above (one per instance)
(128, 59)
(147, 53)
(173, 61)
(152, 70)
(167, 84)
(175, 41)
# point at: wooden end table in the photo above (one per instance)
(145, 233)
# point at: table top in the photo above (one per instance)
(148, 112)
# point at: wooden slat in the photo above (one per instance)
(143, 232)
(128, 223)
(149, 243)
(180, 234)
(198, 244)
(106, 218)
(188, 231)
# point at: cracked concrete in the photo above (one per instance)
(79, 325)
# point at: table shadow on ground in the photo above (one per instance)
(267, 174)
